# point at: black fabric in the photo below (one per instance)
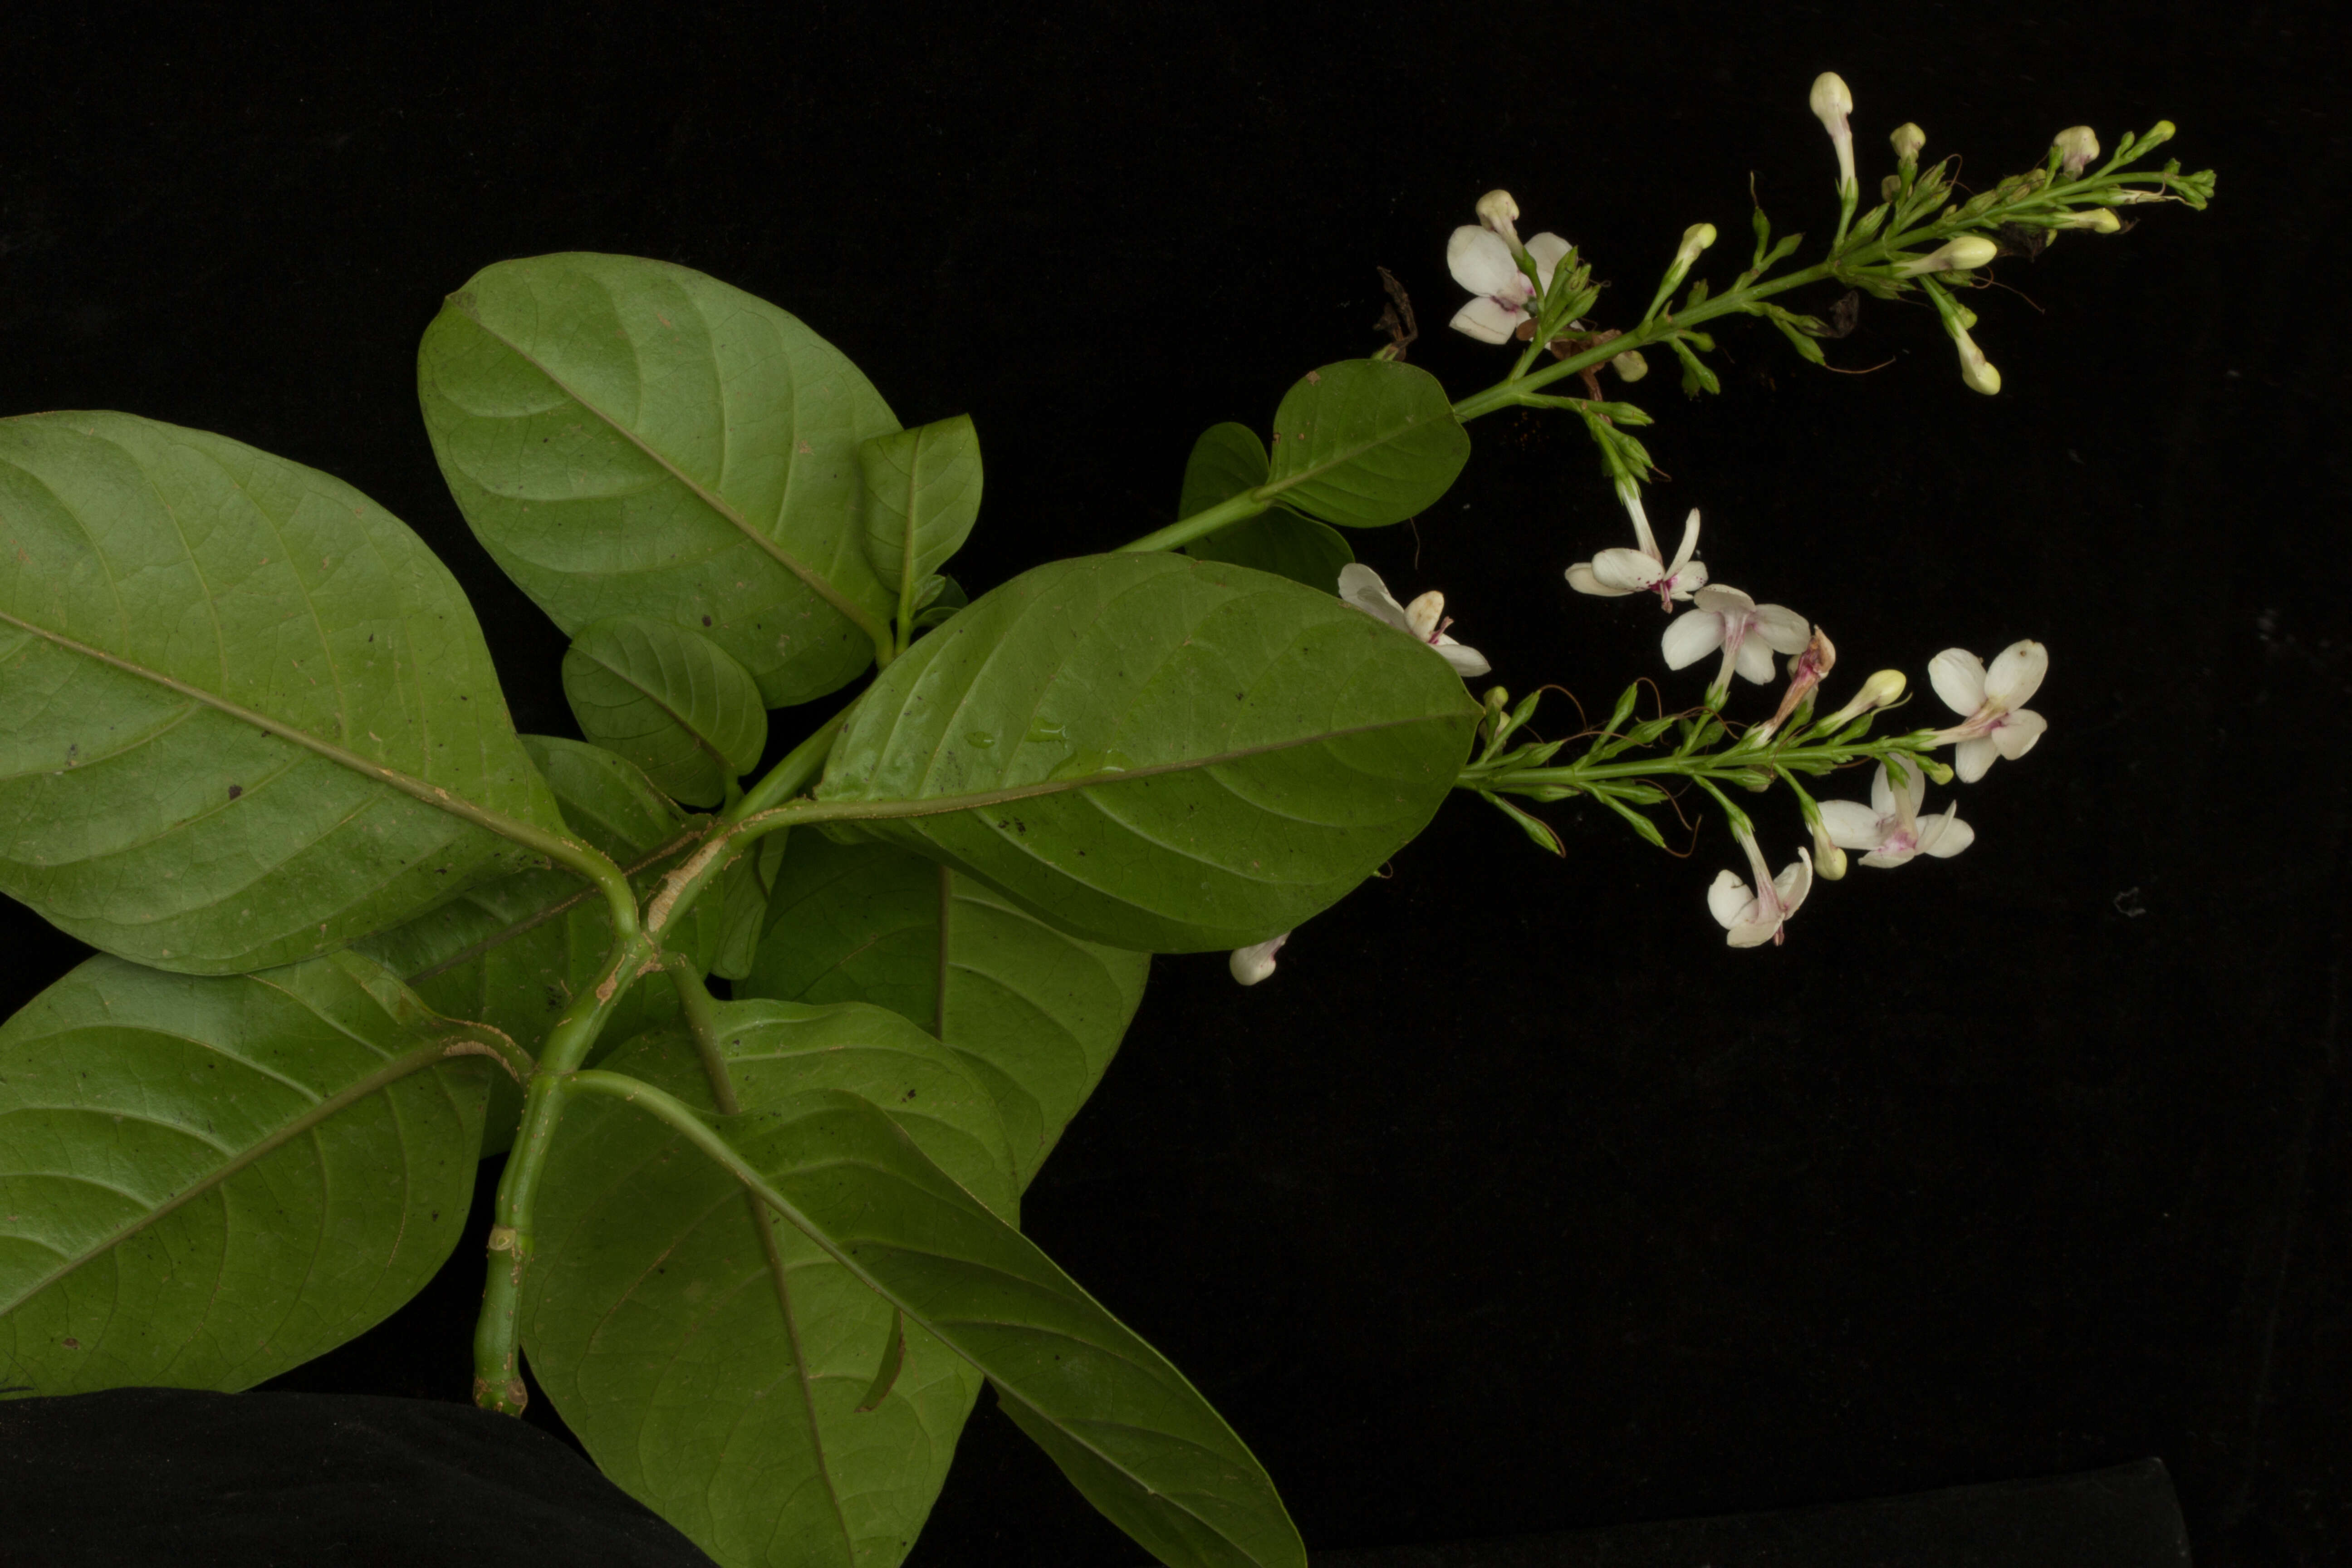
(305, 1481)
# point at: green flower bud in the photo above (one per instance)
(1908, 139)
(1961, 255)
(2077, 145)
(1630, 366)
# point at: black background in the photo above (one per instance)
(1515, 1201)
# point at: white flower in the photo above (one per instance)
(1614, 574)
(1995, 720)
(1751, 918)
(1252, 964)
(1484, 263)
(1832, 103)
(1889, 827)
(1748, 633)
(2077, 145)
(1424, 619)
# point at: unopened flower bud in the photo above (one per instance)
(2077, 145)
(1908, 139)
(1630, 366)
(1829, 860)
(1977, 372)
(1496, 699)
(1696, 239)
(1499, 213)
(1252, 964)
(1832, 103)
(1883, 687)
(1890, 187)
(2098, 220)
(1961, 255)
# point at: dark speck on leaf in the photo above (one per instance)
(236, 790)
(706, 620)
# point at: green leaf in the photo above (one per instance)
(922, 496)
(717, 1372)
(207, 1180)
(1365, 442)
(630, 437)
(669, 699)
(1695, 375)
(514, 952)
(937, 600)
(1135, 1437)
(742, 913)
(1164, 755)
(225, 682)
(1228, 459)
(1035, 1014)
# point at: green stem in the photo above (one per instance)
(702, 1014)
(788, 777)
(498, 1373)
(1183, 531)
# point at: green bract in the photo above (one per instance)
(1158, 752)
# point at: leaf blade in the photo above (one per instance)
(669, 700)
(215, 756)
(631, 438)
(338, 1075)
(922, 497)
(1365, 443)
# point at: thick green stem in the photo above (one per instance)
(498, 1373)
(1183, 531)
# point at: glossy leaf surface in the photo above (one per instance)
(631, 438)
(670, 700)
(207, 1180)
(922, 496)
(1036, 1014)
(1156, 752)
(514, 952)
(165, 596)
(721, 1385)
(1365, 442)
(1228, 459)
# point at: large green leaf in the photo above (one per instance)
(1036, 1014)
(669, 699)
(514, 952)
(1228, 459)
(1160, 753)
(207, 1180)
(715, 1363)
(213, 665)
(631, 438)
(1365, 442)
(922, 496)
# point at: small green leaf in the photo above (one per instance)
(1696, 375)
(215, 666)
(721, 1368)
(1793, 329)
(1036, 1014)
(1156, 752)
(922, 496)
(1364, 442)
(207, 1180)
(937, 600)
(1229, 459)
(669, 700)
(630, 437)
(514, 952)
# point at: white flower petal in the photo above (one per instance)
(1972, 758)
(1690, 542)
(2017, 674)
(1467, 662)
(1361, 586)
(1729, 899)
(1425, 614)
(1899, 852)
(1882, 793)
(1691, 635)
(1959, 677)
(1851, 825)
(2016, 734)
(1754, 660)
(1946, 836)
(1753, 933)
(1725, 599)
(1794, 883)
(1626, 571)
(1584, 580)
(1690, 579)
(1914, 787)
(1482, 263)
(1782, 630)
(1485, 320)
